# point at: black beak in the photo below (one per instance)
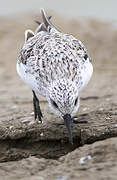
(68, 122)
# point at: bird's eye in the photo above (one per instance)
(54, 104)
(85, 56)
(76, 100)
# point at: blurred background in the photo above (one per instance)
(103, 9)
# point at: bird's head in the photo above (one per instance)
(63, 99)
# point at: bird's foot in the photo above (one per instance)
(35, 121)
(38, 115)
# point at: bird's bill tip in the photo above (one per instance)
(68, 122)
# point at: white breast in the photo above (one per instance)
(30, 79)
(86, 74)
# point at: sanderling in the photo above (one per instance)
(57, 66)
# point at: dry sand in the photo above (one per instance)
(24, 153)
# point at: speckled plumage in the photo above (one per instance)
(55, 65)
(52, 55)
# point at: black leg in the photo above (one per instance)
(37, 110)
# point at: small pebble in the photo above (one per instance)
(85, 109)
(32, 113)
(101, 109)
(107, 118)
(14, 107)
(11, 127)
(62, 178)
(42, 134)
(107, 99)
(83, 159)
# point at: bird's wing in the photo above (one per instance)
(51, 55)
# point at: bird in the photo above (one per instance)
(57, 66)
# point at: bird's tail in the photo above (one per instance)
(45, 19)
(45, 24)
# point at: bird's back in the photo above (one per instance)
(50, 55)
